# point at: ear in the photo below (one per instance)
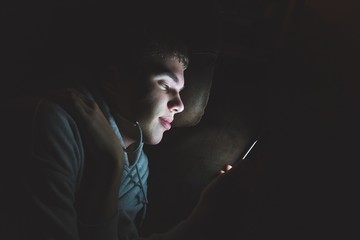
(198, 81)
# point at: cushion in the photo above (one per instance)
(198, 81)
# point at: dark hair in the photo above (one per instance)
(139, 49)
(163, 47)
(138, 54)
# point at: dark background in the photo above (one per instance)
(289, 65)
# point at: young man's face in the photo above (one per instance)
(161, 100)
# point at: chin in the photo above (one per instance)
(153, 140)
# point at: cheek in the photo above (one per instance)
(154, 99)
(148, 106)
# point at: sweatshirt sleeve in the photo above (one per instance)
(50, 174)
(40, 179)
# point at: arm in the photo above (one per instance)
(97, 198)
(43, 170)
(48, 161)
(226, 198)
(230, 207)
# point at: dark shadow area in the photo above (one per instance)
(280, 69)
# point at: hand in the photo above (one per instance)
(100, 139)
(104, 157)
(230, 204)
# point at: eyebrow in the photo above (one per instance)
(172, 76)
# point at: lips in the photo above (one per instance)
(166, 122)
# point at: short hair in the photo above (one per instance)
(133, 46)
(164, 47)
(142, 48)
(137, 54)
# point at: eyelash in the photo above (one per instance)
(164, 86)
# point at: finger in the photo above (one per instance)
(71, 100)
(68, 96)
(81, 99)
(228, 167)
(76, 103)
(238, 173)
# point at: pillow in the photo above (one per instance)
(198, 81)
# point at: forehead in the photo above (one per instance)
(170, 67)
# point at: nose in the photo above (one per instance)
(176, 104)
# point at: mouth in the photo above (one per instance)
(166, 123)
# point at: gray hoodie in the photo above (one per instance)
(42, 170)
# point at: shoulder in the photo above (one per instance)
(29, 110)
(53, 137)
(42, 137)
(47, 113)
(55, 134)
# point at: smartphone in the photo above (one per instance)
(250, 150)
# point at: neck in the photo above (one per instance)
(129, 131)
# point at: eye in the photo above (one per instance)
(164, 85)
